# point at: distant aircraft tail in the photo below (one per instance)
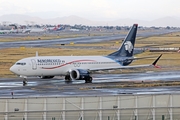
(56, 27)
(127, 47)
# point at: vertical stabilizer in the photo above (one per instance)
(127, 47)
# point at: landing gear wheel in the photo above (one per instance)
(89, 80)
(24, 82)
(68, 78)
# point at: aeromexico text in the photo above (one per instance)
(49, 60)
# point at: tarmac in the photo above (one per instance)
(103, 84)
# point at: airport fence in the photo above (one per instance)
(112, 107)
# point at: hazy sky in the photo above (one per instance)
(93, 9)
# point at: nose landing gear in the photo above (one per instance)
(25, 82)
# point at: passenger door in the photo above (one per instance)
(34, 65)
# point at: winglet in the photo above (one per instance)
(154, 63)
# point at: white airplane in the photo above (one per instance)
(34, 30)
(12, 30)
(26, 30)
(74, 30)
(79, 67)
(4, 31)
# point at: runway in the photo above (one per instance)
(59, 87)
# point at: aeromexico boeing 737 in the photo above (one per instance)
(79, 67)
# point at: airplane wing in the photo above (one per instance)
(128, 67)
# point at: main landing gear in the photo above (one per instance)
(88, 79)
(68, 79)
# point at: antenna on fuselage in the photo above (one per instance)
(36, 53)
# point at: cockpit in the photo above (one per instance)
(19, 67)
(18, 63)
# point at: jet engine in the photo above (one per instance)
(79, 74)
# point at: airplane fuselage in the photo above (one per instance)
(59, 65)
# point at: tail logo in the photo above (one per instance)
(128, 46)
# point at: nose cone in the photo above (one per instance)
(13, 69)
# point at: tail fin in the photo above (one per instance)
(127, 47)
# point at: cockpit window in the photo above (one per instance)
(20, 63)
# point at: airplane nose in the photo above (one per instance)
(12, 69)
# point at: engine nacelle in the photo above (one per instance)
(79, 74)
(46, 77)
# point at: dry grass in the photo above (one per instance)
(167, 40)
